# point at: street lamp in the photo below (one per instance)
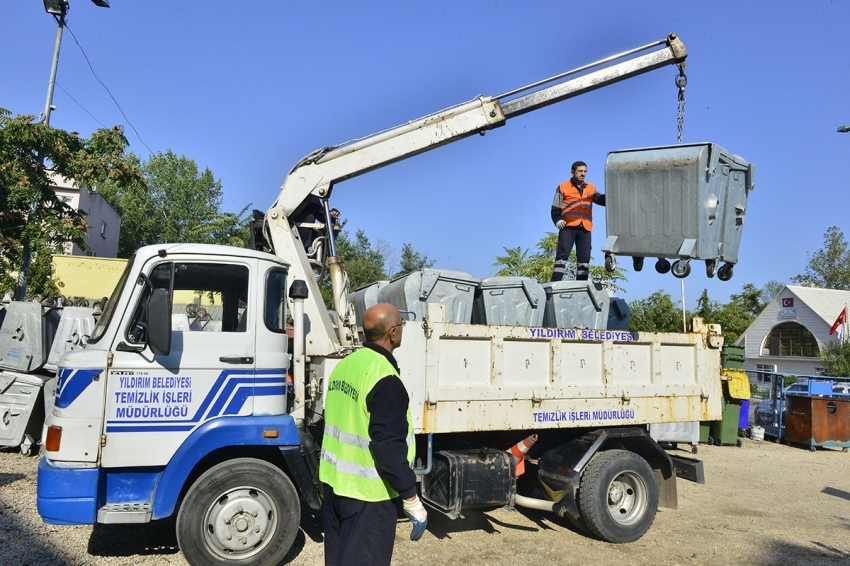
(844, 129)
(57, 9)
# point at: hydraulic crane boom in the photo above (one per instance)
(315, 175)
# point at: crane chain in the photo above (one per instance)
(681, 83)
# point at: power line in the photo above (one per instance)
(81, 106)
(107, 90)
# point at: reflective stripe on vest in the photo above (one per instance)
(346, 462)
(577, 209)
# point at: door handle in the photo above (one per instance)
(236, 360)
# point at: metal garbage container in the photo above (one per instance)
(684, 202)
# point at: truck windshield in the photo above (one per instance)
(109, 307)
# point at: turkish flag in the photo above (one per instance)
(842, 318)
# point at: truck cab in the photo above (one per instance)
(192, 346)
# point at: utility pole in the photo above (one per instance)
(58, 9)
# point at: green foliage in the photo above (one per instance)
(770, 290)
(363, 263)
(656, 313)
(835, 357)
(411, 261)
(706, 308)
(366, 263)
(30, 212)
(740, 312)
(829, 267)
(735, 316)
(539, 265)
(177, 203)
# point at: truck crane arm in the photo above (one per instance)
(316, 174)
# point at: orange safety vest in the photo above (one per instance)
(577, 209)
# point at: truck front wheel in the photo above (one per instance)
(618, 496)
(242, 511)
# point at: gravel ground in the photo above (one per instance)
(763, 503)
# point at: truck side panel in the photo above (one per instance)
(480, 377)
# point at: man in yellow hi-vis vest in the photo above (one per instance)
(368, 449)
(572, 213)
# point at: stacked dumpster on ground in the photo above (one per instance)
(33, 336)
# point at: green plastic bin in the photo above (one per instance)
(725, 432)
(732, 357)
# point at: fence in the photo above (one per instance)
(767, 401)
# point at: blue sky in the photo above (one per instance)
(248, 88)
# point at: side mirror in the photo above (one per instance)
(159, 322)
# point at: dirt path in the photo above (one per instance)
(763, 503)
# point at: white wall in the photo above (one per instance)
(98, 212)
(773, 315)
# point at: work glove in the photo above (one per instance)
(417, 514)
(561, 224)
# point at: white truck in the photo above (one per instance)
(153, 418)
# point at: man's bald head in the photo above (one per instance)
(382, 324)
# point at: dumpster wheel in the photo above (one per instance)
(618, 496)
(710, 267)
(662, 266)
(681, 268)
(725, 272)
(637, 262)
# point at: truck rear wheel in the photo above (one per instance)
(618, 496)
(242, 511)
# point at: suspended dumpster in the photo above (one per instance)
(685, 202)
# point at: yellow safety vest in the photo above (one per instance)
(347, 464)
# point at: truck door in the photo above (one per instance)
(154, 401)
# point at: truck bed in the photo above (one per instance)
(473, 377)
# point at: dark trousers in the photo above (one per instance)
(358, 532)
(568, 237)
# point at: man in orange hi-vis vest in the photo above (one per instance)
(573, 216)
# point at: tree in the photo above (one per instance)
(656, 313)
(539, 265)
(411, 261)
(31, 215)
(829, 267)
(740, 312)
(770, 290)
(181, 204)
(835, 357)
(706, 308)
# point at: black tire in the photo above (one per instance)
(662, 266)
(681, 268)
(637, 262)
(610, 263)
(250, 501)
(725, 272)
(710, 267)
(618, 496)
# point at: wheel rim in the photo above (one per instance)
(627, 498)
(240, 523)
